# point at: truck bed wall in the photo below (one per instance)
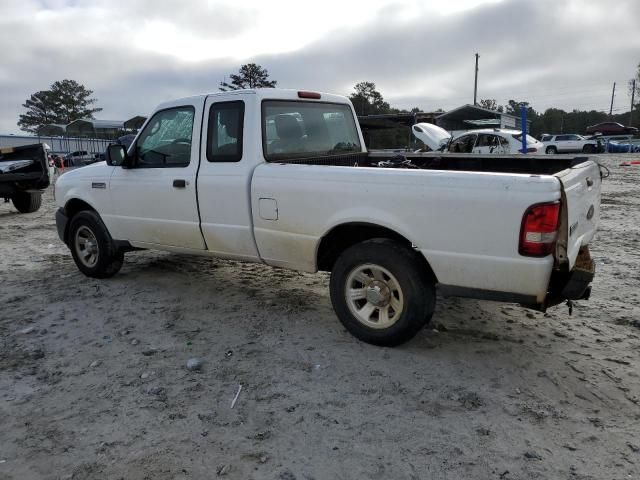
(521, 164)
(466, 224)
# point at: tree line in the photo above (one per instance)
(556, 120)
(67, 100)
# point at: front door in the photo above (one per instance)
(154, 201)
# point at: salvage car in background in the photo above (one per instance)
(568, 144)
(496, 141)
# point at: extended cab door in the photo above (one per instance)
(230, 152)
(580, 211)
(154, 201)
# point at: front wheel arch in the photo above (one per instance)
(97, 241)
(73, 207)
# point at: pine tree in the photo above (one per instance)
(250, 75)
(66, 101)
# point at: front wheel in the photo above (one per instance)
(551, 150)
(380, 292)
(589, 149)
(92, 247)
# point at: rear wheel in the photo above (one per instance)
(92, 247)
(380, 292)
(27, 202)
(551, 150)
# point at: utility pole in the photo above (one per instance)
(613, 94)
(475, 85)
(633, 94)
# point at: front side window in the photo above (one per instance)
(298, 129)
(224, 139)
(166, 140)
(463, 144)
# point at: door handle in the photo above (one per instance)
(179, 183)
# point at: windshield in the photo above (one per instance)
(296, 129)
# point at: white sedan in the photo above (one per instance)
(488, 141)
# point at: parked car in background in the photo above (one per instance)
(611, 128)
(568, 143)
(497, 141)
(79, 158)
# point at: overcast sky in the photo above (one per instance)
(135, 54)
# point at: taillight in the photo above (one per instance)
(539, 230)
(304, 94)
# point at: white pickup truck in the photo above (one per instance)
(283, 177)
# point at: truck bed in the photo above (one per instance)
(518, 164)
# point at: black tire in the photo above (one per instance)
(417, 291)
(108, 258)
(588, 149)
(551, 150)
(27, 202)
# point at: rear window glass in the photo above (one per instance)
(297, 129)
(530, 139)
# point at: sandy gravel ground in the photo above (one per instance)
(94, 385)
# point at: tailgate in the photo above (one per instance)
(580, 210)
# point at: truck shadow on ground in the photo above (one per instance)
(285, 295)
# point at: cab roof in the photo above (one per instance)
(260, 93)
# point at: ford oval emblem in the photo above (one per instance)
(590, 212)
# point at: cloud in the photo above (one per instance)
(135, 55)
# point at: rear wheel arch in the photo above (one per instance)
(344, 236)
(380, 293)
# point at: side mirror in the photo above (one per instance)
(116, 155)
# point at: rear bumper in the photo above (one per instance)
(573, 285)
(61, 223)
